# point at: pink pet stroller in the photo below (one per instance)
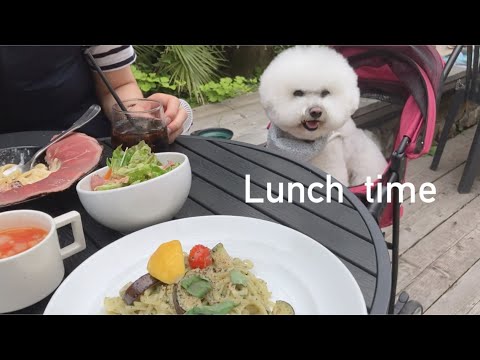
(410, 76)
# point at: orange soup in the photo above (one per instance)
(16, 240)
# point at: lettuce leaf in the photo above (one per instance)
(137, 164)
(109, 186)
(138, 154)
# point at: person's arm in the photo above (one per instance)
(125, 85)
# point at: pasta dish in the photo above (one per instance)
(208, 282)
(18, 179)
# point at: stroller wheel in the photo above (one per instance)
(412, 307)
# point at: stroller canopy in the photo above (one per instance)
(408, 74)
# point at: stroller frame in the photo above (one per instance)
(398, 167)
(395, 172)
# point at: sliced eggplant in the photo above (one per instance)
(282, 308)
(182, 300)
(138, 287)
(220, 256)
(178, 309)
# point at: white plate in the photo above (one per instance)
(296, 268)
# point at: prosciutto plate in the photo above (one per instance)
(78, 154)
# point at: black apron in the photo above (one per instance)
(46, 88)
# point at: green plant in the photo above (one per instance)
(192, 66)
(188, 67)
(152, 82)
(148, 56)
(227, 88)
(277, 49)
(191, 72)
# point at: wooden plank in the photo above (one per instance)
(192, 208)
(281, 167)
(333, 212)
(421, 218)
(437, 242)
(378, 115)
(73, 261)
(439, 276)
(366, 282)
(418, 172)
(219, 202)
(475, 310)
(341, 242)
(368, 105)
(461, 297)
(37, 308)
(455, 154)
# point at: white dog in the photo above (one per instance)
(310, 93)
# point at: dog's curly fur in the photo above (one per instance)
(312, 92)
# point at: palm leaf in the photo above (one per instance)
(148, 55)
(192, 66)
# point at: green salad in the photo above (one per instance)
(129, 167)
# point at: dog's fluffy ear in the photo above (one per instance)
(269, 110)
(264, 92)
(354, 99)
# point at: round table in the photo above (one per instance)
(219, 169)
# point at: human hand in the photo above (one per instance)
(175, 115)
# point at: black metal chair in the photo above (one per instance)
(467, 90)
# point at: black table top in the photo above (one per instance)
(218, 188)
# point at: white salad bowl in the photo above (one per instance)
(137, 206)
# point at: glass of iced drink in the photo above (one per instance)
(143, 120)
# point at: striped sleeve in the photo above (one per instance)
(112, 57)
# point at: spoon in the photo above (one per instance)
(84, 119)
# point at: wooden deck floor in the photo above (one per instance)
(440, 242)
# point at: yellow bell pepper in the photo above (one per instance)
(167, 262)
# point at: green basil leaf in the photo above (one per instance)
(238, 278)
(196, 286)
(217, 309)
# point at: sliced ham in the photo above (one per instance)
(77, 154)
(96, 181)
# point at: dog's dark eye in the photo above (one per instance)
(298, 93)
(324, 93)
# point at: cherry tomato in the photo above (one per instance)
(200, 257)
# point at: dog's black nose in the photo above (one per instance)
(315, 112)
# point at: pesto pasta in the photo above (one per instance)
(227, 286)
